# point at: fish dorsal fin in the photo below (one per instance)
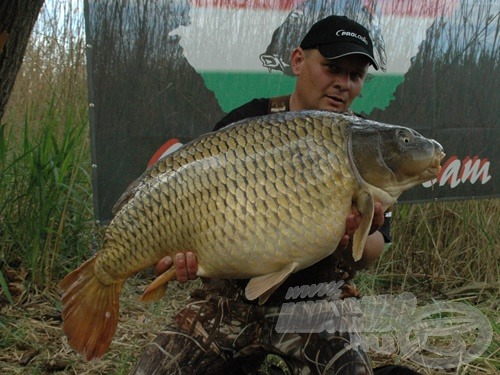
(263, 286)
(365, 205)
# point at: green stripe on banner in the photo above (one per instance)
(233, 89)
(377, 92)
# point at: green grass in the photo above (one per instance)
(46, 209)
(46, 216)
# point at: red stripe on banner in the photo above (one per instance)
(413, 8)
(248, 4)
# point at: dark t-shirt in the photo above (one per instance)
(257, 107)
(323, 271)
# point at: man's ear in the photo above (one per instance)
(296, 60)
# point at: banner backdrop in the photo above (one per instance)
(162, 69)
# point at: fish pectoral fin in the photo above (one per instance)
(263, 286)
(158, 287)
(365, 205)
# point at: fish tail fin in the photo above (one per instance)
(89, 311)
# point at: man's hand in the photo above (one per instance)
(185, 264)
(353, 221)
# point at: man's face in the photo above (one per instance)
(329, 85)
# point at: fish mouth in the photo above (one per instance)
(435, 165)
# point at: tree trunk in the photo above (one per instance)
(17, 18)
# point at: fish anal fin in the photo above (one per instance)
(158, 287)
(365, 205)
(90, 311)
(263, 286)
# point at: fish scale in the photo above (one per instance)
(259, 199)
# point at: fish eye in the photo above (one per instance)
(404, 136)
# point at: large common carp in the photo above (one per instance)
(259, 199)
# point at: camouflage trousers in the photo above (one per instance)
(218, 332)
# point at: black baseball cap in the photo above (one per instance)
(338, 36)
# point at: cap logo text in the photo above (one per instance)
(342, 32)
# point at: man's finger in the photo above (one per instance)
(162, 265)
(352, 223)
(191, 265)
(181, 272)
(344, 242)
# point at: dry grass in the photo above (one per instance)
(445, 245)
(444, 251)
(32, 340)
